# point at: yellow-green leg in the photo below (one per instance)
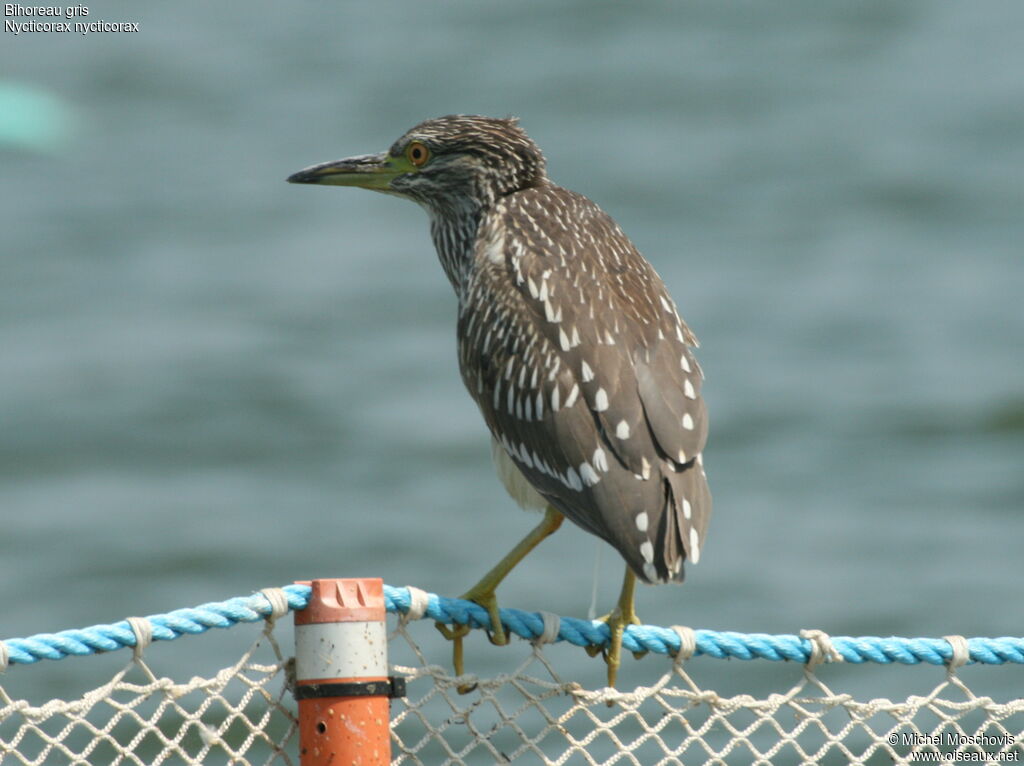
(483, 592)
(622, 615)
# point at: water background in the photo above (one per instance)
(212, 381)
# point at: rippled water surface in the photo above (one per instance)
(212, 381)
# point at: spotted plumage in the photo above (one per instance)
(578, 361)
(567, 339)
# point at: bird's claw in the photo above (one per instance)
(612, 652)
(456, 633)
(489, 601)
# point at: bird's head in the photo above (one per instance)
(444, 163)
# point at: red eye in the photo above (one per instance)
(417, 153)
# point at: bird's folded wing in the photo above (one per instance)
(584, 371)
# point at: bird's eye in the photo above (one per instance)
(417, 153)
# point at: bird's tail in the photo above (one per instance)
(680, 532)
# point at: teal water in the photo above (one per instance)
(212, 381)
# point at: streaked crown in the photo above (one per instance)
(471, 160)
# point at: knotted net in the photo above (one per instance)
(245, 714)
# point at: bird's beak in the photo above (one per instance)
(369, 171)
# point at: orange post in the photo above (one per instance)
(341, 673)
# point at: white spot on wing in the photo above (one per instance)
(622, 430)
(524, 456)
(572, 480)
(552, 314)
(685, 363)
(600, 400)
(647, 551)
(694, 546)
(688, 389)
(600, 460)
(586, 373)
(687, 422)
(563, 340)
(641, 521)
(571, 399)
(532, 285)
(687, 509)
(588, 474)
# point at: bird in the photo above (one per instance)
(570, 345)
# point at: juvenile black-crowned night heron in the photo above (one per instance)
(570, 345)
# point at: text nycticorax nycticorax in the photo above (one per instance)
(570, 345)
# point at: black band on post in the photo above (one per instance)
(393, 687)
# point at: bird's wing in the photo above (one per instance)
(585, 375)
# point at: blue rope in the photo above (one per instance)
(528, 625)
(166, 627)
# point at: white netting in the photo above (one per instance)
(244, 714)
(533, 716)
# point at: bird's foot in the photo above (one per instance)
(497, 635)
(488, 600)
(483, 592)
(455, 634)
(617, 622)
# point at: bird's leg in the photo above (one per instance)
(483, 592)
(622, 615)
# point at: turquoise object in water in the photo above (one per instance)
(31, 118)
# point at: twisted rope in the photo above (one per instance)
(527, 625)
(164, 627)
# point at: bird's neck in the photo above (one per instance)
(454, 231)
